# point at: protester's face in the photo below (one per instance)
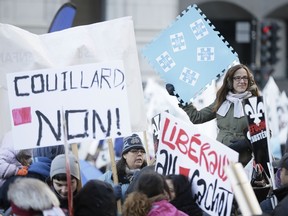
(171, 188)
(134, 158)
(240, 81)
(61, 187)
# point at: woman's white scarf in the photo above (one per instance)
(236, 99)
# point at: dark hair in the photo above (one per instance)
(95, 198)
(184, 200)
(62, 177)
(228, 83)
(121, 167)
(152, 184)
(181, 184)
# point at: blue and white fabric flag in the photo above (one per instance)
(190, 54)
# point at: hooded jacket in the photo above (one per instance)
(9, 165)
(164, 208)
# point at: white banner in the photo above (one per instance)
(183, 149)
(100, 42)
(92, 98)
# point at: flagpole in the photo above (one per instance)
(75, 151)
(68, 172)
(114, 171)
(243, 190)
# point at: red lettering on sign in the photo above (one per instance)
(254, 128)
(192, 146)
(165, 129)
(182, 141)
(192, 153)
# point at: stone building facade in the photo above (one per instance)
(239, 21)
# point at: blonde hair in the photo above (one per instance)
(29, 193)
(136, 204)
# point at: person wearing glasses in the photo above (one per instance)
(131, 162)
(238, 84)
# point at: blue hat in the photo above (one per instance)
(41, 165)
(132, 142)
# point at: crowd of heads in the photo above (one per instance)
(44, 188)
(38, 182)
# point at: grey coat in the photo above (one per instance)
(9, 165)
(230, 128)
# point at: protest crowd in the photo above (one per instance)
(35, 181)
(186, 173)
(99, 197)
(43, 188)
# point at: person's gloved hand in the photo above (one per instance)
(171, 91)
(23, 171)
(117, 191)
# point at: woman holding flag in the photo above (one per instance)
(238, 84)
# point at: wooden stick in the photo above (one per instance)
(114, 171)
(68, 172)
(74, 147)
(243, 191)
(146, 147)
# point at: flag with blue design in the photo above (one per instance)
(190, 53)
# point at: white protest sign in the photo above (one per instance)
(104, 41)
(183, 149)
(92, 97)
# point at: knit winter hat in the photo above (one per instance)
(58, 166)
(132, 142)
(41, 166)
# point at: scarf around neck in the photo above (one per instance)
(236, 99)
(128, 176)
